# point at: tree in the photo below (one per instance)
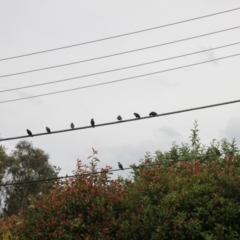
(26, 163)
(3, 157)
(3, 162)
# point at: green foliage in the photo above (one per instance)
(3, 157)
(26, 163)
(195, 140)
(190, 152)
(3, 167)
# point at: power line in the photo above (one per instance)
(119, 80)
(121, 35)
(113, 70)
(116, 54)
(109, 171)
(124, 121)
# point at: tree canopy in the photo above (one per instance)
(25, 163)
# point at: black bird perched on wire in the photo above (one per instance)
(48, 129)
(137, 115)
(152, 114)
(120, 166)
(72, 125)
(119, 118)
(217, 151)
(92, 123)
(29, 133)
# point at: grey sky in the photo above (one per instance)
(30, 26)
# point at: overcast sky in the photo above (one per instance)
(30, 26)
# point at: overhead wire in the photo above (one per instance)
(124, 121)
(120, 35)
(121, 53)
(120, 80)
(108, 171)
(118, 69)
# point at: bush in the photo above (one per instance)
(181, 201)
(8, 228)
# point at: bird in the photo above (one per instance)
(152, 114)
(119, 118)
(217, 151)
(120, 166)
(95, 151)
(92, 123)
(72, 125)
(29, 133)
(48, 129)
(136, 115)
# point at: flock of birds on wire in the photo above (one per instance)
(119, 118)
(151, 114)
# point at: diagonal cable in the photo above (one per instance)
(119, 80)
(118, 69)
(124, 121)
(121, 53)
(121, 35)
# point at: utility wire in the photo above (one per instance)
(113, 70)
(135, 50)
(121, 35)
(119, 80)
(124, 121)
(107, 171)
